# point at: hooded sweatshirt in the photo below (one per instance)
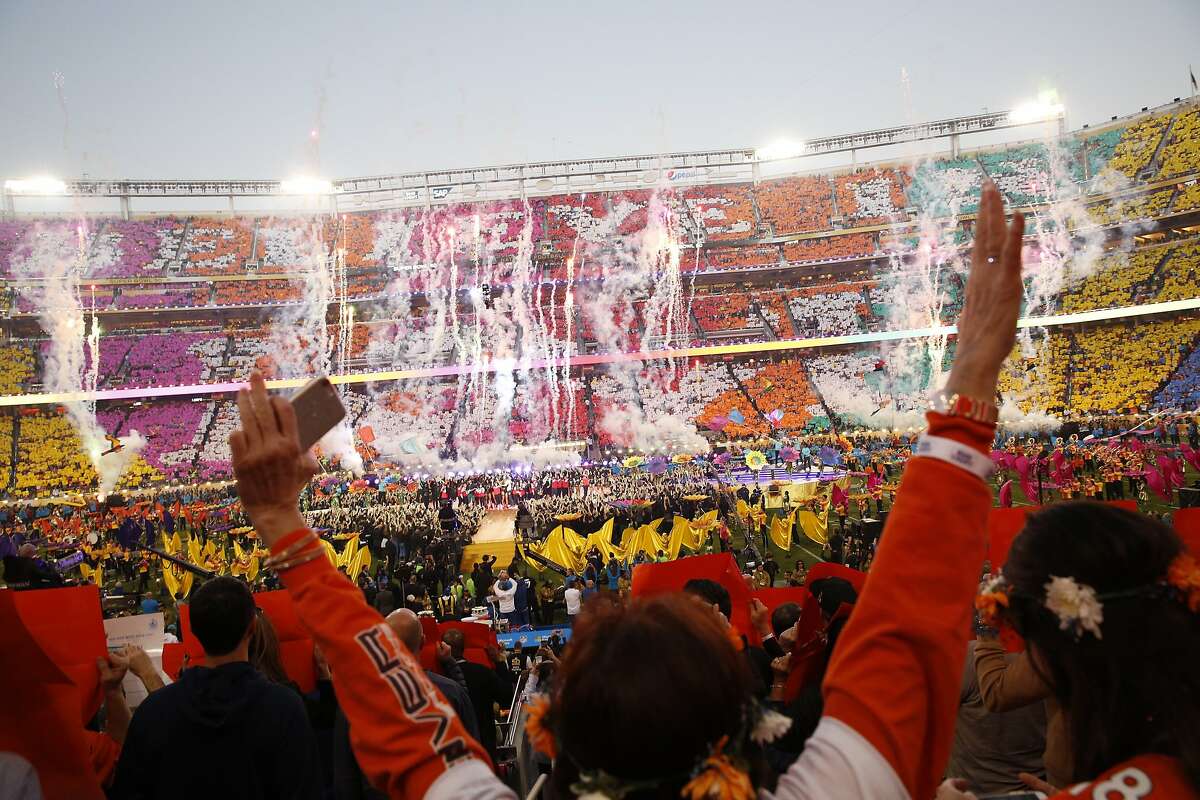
(223, 732)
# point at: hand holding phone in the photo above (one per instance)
(318, 409)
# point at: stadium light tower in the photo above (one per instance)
(305, 185)
(38, 185)
(779, 150)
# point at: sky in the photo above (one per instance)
(221, 89)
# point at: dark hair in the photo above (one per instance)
(654, 724)
(264, 652)
(220, 612)
(1135, 690)
(784, 616)
(831, 593)
(712, 592)
(457, 642)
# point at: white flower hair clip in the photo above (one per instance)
(771, 725)
(1075, 604)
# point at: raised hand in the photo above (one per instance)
(271, 469)
(987, 326)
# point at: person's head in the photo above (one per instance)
(407, 627)
(456, 641)
(659, 724)
(831, 593)
(711, 593)
(221, 614)
(1131, 686)
(264, 651)
(784, 616)
(27, 551)
(591, 584)
(503, 575)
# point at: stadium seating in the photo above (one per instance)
(1181, 274)
(741, 257)
(242, 293)
(1070, 371)
(795, 205)
(49, 456)
(870, 196)
(1138, 144)
(853, 245)
(1188, 198)
(1090, 154)
(721, 312)
(1121, 366)
(1115, 280)
(945, 187)
(16, 368)
(837, 310)
(132, 248)
(1182, 391)
(1035, 375)
(784, 387)
(1181, 154)
(725, 212)
(217, 246)
(1125, 211)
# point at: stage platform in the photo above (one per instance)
(494, 537)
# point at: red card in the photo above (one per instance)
(1003, 526)
(68, 626)
(39, 719)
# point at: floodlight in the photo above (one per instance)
(305, 184)
(1045, 107)
(41, 184)
(780, 149)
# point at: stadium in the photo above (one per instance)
(606, 417)
(790, 294)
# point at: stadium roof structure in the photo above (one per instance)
(511, 181)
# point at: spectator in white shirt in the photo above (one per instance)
(505, 590)
(573, 598)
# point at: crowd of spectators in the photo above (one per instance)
(1138, 144)
(796, 205)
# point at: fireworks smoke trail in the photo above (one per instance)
(71, 362)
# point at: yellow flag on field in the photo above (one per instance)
(781, 531)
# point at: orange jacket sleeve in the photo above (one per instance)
(896, 672)
(404, 733)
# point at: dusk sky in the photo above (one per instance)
(237, 89)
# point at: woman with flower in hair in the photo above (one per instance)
(1107, 602)
(655, 700)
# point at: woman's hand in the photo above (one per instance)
(987, 326)
(953, 789)
(270, 468)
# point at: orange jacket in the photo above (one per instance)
(404, 732)
(895, 674)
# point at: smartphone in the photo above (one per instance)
(318, 409)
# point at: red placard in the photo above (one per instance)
(827, 569)
(670, 576)
(295, 645)
(1187, 525)
(1003, 526)
(68, 625)
(772, 598)
(39, 718)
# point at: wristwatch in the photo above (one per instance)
(959, 405)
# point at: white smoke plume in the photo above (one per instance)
(57, 260)
(301, 345)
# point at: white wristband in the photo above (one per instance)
(955, 453)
